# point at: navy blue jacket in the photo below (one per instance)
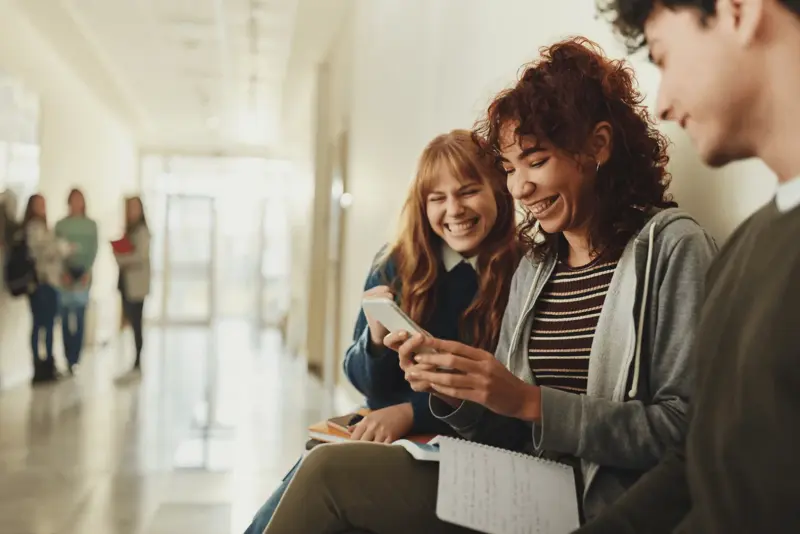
(378, 376)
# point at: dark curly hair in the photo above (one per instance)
(560, 98)
(629, 16)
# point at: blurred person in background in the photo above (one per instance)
(134, 272)
(81, 231)
(48, 254)
(9, 222)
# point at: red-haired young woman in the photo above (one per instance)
(449, 269)
(592, 364)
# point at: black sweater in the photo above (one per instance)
(740, 470)
(378, 376)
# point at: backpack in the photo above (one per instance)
(19, 271)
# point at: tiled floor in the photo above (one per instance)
(176, 452)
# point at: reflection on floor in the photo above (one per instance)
(174, 452)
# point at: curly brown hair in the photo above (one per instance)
(628, 17)
(560, 98)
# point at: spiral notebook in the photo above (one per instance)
(503, 492)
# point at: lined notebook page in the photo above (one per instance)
(502, 492)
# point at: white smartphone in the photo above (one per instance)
(389, 314)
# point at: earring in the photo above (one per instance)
(597, 170)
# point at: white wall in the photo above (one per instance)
(421, 67)
(83, 145)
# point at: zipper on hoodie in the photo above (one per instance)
(528, 306)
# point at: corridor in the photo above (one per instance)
(232, 179)
(176, 451)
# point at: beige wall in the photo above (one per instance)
(318, 22)
(298, 142)
(315, 115)
(418, 68)
(83, 144)
(317, 279)
(340, 71)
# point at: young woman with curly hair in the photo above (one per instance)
(449, 269)
(592, 363)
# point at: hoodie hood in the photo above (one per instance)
(624, 341)
(643, 249)
(637, 258)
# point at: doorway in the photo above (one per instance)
(190, 258)
(220, 240)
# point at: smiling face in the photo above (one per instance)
(709, 79)
(555, 187)
(462, 212)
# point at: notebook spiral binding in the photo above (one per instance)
(517, 454)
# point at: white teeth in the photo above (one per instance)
(542, 205)
(461, 227)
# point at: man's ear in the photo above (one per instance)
(743, 17)
(600, 142)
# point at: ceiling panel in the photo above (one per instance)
(200, 68)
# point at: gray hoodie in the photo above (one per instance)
(640, 378)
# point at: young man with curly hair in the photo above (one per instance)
(731, 78)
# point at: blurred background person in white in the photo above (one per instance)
(48, 254)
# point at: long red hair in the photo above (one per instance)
(417, 249)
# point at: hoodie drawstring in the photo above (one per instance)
(637, 355)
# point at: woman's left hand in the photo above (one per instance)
(479, 377)
(385, 425)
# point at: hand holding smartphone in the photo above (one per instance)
(377, 332)
(389, 314)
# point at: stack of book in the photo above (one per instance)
(336, 430)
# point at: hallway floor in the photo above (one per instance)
(173, 452)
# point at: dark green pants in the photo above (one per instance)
(361, 487)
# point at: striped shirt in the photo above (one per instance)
(564, 322)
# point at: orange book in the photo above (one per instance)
(331, 431)
(322, 432)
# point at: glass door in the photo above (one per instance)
(238, 254)
(189, 260)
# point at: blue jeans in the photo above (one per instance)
(265, 513)
(72, 328)
(44, 308)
